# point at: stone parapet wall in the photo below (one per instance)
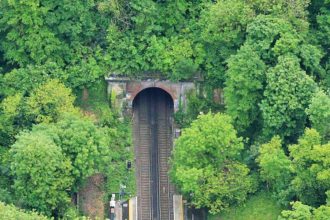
(123, 91)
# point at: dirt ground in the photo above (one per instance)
(91, 197)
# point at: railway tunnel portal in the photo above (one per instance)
(151, 103)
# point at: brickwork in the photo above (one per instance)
(125, 90)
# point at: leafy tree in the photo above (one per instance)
(82, 142)
(319, 113)
(244, 87)
(322, 213)
(37, 32)
(300, 211)
(68, 34)
(42, 173)
(304, 176)
(275, 168)
(265, 32)
(273, 35)
(311, 168)
(47, 102)
(295, 9)
(205, 163)
(24, 80)
(271, 40)
(26, 35)
(10, 118)
(11, 212)
(305, 212)
(155, 37)
(6, 191)
(287, 95)
(78, 149)
(223, 26)
(321, 31)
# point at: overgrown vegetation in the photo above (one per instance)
(258, 207)
(206, 164)
(10, 212)
(271, 58)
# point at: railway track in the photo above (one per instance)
(153, 111)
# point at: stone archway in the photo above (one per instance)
(125, 90)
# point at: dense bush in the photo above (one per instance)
(304, 175)
(10, 212)
(49, 101)
(86, 145)
(319, 113)
(206, 164)
(287, 95)
(305, 212)
(276, 169)
(309, 156)
(42, 173)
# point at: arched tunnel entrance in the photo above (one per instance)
(153, 124)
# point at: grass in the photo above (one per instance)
(258, 207)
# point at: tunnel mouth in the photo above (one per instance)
(151, 90)
(152, 136)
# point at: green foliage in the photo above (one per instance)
(85, 144)
(266, 31)
(10, 212)
(42, 173)
(223, 26)
(11, 118)
(300, 211)
(305, 212)
(319, 113)
(53, 160)
(322, 33)
(303, 176)
(275, 168)
(49, 101)
(205, 164)
(287, 95)
(311, 167)
(195, 105)
(119, 133)
(24, 80)
(273, 44)
(257, 207)
(121, 153)
(94, 97)
(296, 9)
(244, 86)
(46, 103)
(270, 55)
(273, 36)
(322, 213)
(155, 37)
(62, 33)
(6, 191)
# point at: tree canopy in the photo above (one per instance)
(206, 163)
(268, 59)
(41, 173)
